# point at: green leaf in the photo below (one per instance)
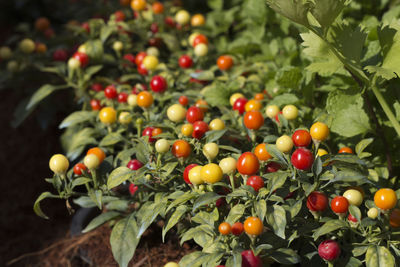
(360, 147)
(276, 217)
(111, 139)
(204, 218)
(118, 176)
(97, 197)
(215, 4)
(379, 256)
(235, 260)
(100, 220)
(80, 181)
(147, 216)
(353, 262)
(285, 256)
(235, 213)
(276, 180)
(212, 136)
(284, 99)
(355, 211)
(205, 199)
(43, 92)
(174, 219)
(289, 77)
(193, 259)
(326, 11)
(261, 209)
(36, 206)
(295, 10)
(273, 151)
(124, 240)
(77, 117)
(94, 49)
(389, 38)
(328, 227)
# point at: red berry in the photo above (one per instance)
(301, 138)
(139, 58)
(78, 168)
(158, 84)
(170, 22)
(130, 58)
(110, 92)
(199, 129)
(148, 131)
(250, 260)
(97, 87)
(329, 250)
(134, 164)
(351, 218)
(82, 57)
(95, 104)
(183, 100)
(154, 27)
(256, 182)
(119, 15)
(194, 114)
(132, 189)
(185, 62)
(339, 205)
(86, 27)
(272, 167)
(142, 69)
(60, 55)
(317, 201)
(122, 97)
(239, 105)
(302, 159)
(186, 172)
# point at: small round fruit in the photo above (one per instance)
(194, 114)
(256, 182)
(250, 260)
(339, 205)
(284, 144)
(182, 17)
(108, 115)
(132, 100)
(202, 104)
(176, 113)
(153, 51)
(82, 57)
(132, 189)
(42, 24)
(252, 105)
(199, 129)
(185, 62)
(290, 112)
(192, 37)
(228, 165)
(352, 219)
(217, 125)
(140, 57)
(187, 129)
(118, 46)
(237, 228)
(122, 97)
(225, 62)
(186, 173)
(210, 150)
(27, 46)
(183, 100)
(150, 62)
(253, 120)
(301, 138)
(201, 50)
(195, 175)
(138, 5)
(373, 213)
(329, 250)
(58, 164)
(253, 226)
(158, 8)
(211, 173)
(272, 167)
(385, 199)
(13, 66)
(110, 92)
(181, 149)
(5, 52)
(144, 99)
(271, 111)
(394, 218)
(125, 118)
(79, 168)
(248, 164)
(259, 96)
(73, 63)
(261, 152)
(197, 20)
(171, 264)
(200, 39)
(235, 97)
(162, 146)
(98, 152)
(321, 152)
(319, 131)
(317, 201)
(158, 84)
(354, 197)
(134, 164)
(346, 150)
(302, 159)
(224, 228)
(148, 131)
(240, 105)
(91, 161)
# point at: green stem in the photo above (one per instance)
(94, 177)
(231, 178)
(386, 109)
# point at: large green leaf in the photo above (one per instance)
(379, 256)
(118, 176)
(174, 219)
(276, 217)
(124, 240)
(329, 227)
(206, 198)
(295, 10)
(42, 93)
(285, 256)
(77, 117)
(36, 206)
(99, 220)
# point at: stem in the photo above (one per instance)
(94, 177)
(232, 182)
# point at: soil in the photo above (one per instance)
(32, 241)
